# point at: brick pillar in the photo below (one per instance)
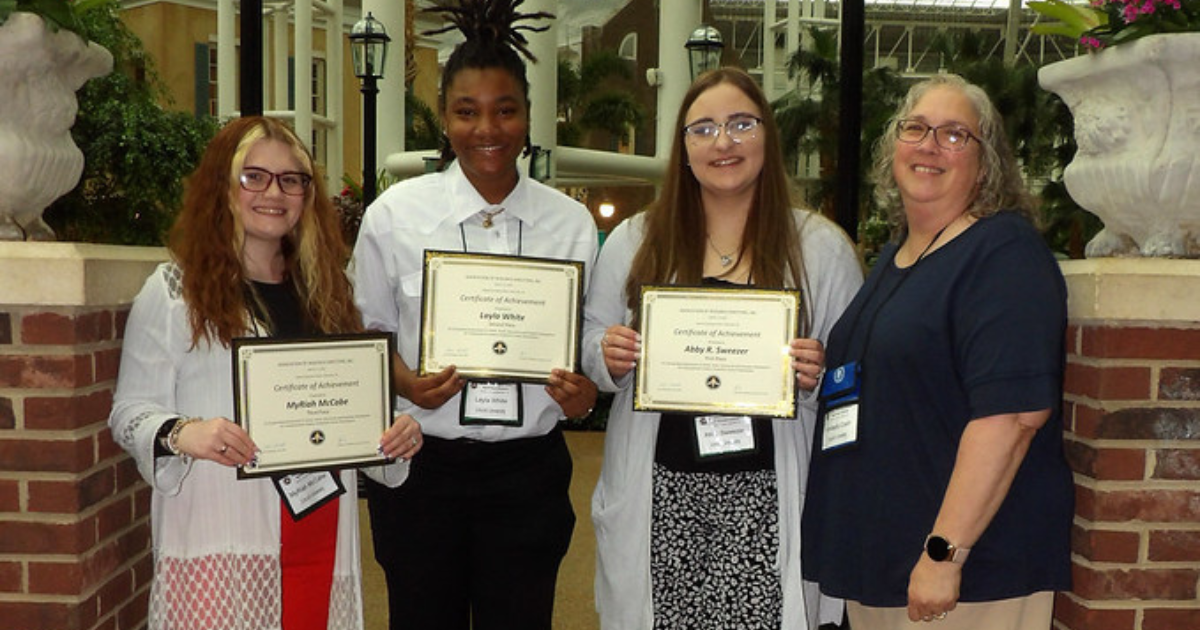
(74, 515)
(1132, 405)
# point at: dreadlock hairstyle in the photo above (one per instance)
(494, 40)
(207, 237)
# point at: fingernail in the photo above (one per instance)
(379, 450)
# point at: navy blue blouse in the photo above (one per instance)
(974, 329)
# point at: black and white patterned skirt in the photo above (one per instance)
(714, 542)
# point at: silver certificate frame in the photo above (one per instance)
(317, 403)
(717, 350)
(500, 318)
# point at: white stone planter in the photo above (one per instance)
(1137, 125)
(40, 71)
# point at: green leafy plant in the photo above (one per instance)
(136, 152)
(1104, 23)
(57, 13)
(587, 102)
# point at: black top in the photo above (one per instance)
(975, 330)
(676, 448)
(287, 317)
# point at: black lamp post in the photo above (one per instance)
(704, 49)
(368, 50)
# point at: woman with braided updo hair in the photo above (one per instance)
(476, 535)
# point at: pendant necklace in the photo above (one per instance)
(726, 259)
(487, 217)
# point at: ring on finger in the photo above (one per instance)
(941, 615)
(414, 441)
(224, 447)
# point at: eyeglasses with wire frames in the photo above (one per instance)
(738, 128)
(949, 137)
(254, 179)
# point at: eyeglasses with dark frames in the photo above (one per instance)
(950, 137)
(254, 179)
(738, 128)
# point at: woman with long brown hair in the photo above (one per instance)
(256, 251)
(685, 540)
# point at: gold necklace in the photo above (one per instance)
(487, 217)
(726, 259)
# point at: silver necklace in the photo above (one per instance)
(726, 259)
(487, 217)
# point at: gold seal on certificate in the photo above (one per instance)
(500, 318)
(710, 350)
(314, 403)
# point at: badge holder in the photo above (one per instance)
(721, 437)
(304, 493)
(839, 394)
(492, 404)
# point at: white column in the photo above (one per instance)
(768, 48)
(676, 21)
(390, 103)
(279, 59)
(226, 59)
(1011, 32)
(303, 71)
(543, 79)
(334, 96)
(794, 38)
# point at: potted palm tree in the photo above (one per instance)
(42, 63)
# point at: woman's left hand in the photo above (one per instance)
(808, 359)
(403, 439)
(933, 589)
(575, 393)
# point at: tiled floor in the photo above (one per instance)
(574, 609)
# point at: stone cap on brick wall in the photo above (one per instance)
(73, 274)
(1150, 290)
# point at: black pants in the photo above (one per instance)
(475, 536)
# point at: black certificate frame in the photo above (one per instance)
(245, 351)
(496, 264)
(645, 399)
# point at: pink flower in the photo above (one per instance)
(1090, 42)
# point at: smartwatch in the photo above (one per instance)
(941, 550)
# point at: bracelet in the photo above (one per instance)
(173, 436)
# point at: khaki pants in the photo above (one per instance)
(1033, 612)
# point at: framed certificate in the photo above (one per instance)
(314, 403)
(500, 318)
(723, 351)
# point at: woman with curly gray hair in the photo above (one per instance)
(940, 431)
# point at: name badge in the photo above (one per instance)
(303, 493)
(841, 427)
(491, 403)
(724, 435)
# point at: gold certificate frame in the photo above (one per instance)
(500, 318)
(717, 350)
(313, 403)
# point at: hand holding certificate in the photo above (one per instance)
(717, 351)
(314, 403)
(500, 318)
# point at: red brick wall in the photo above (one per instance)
(1132, 408)
(74, 516)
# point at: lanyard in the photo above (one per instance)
(908, 273)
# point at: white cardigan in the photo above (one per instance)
(622, 500)
(216, 539)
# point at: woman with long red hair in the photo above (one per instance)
(256, 251)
